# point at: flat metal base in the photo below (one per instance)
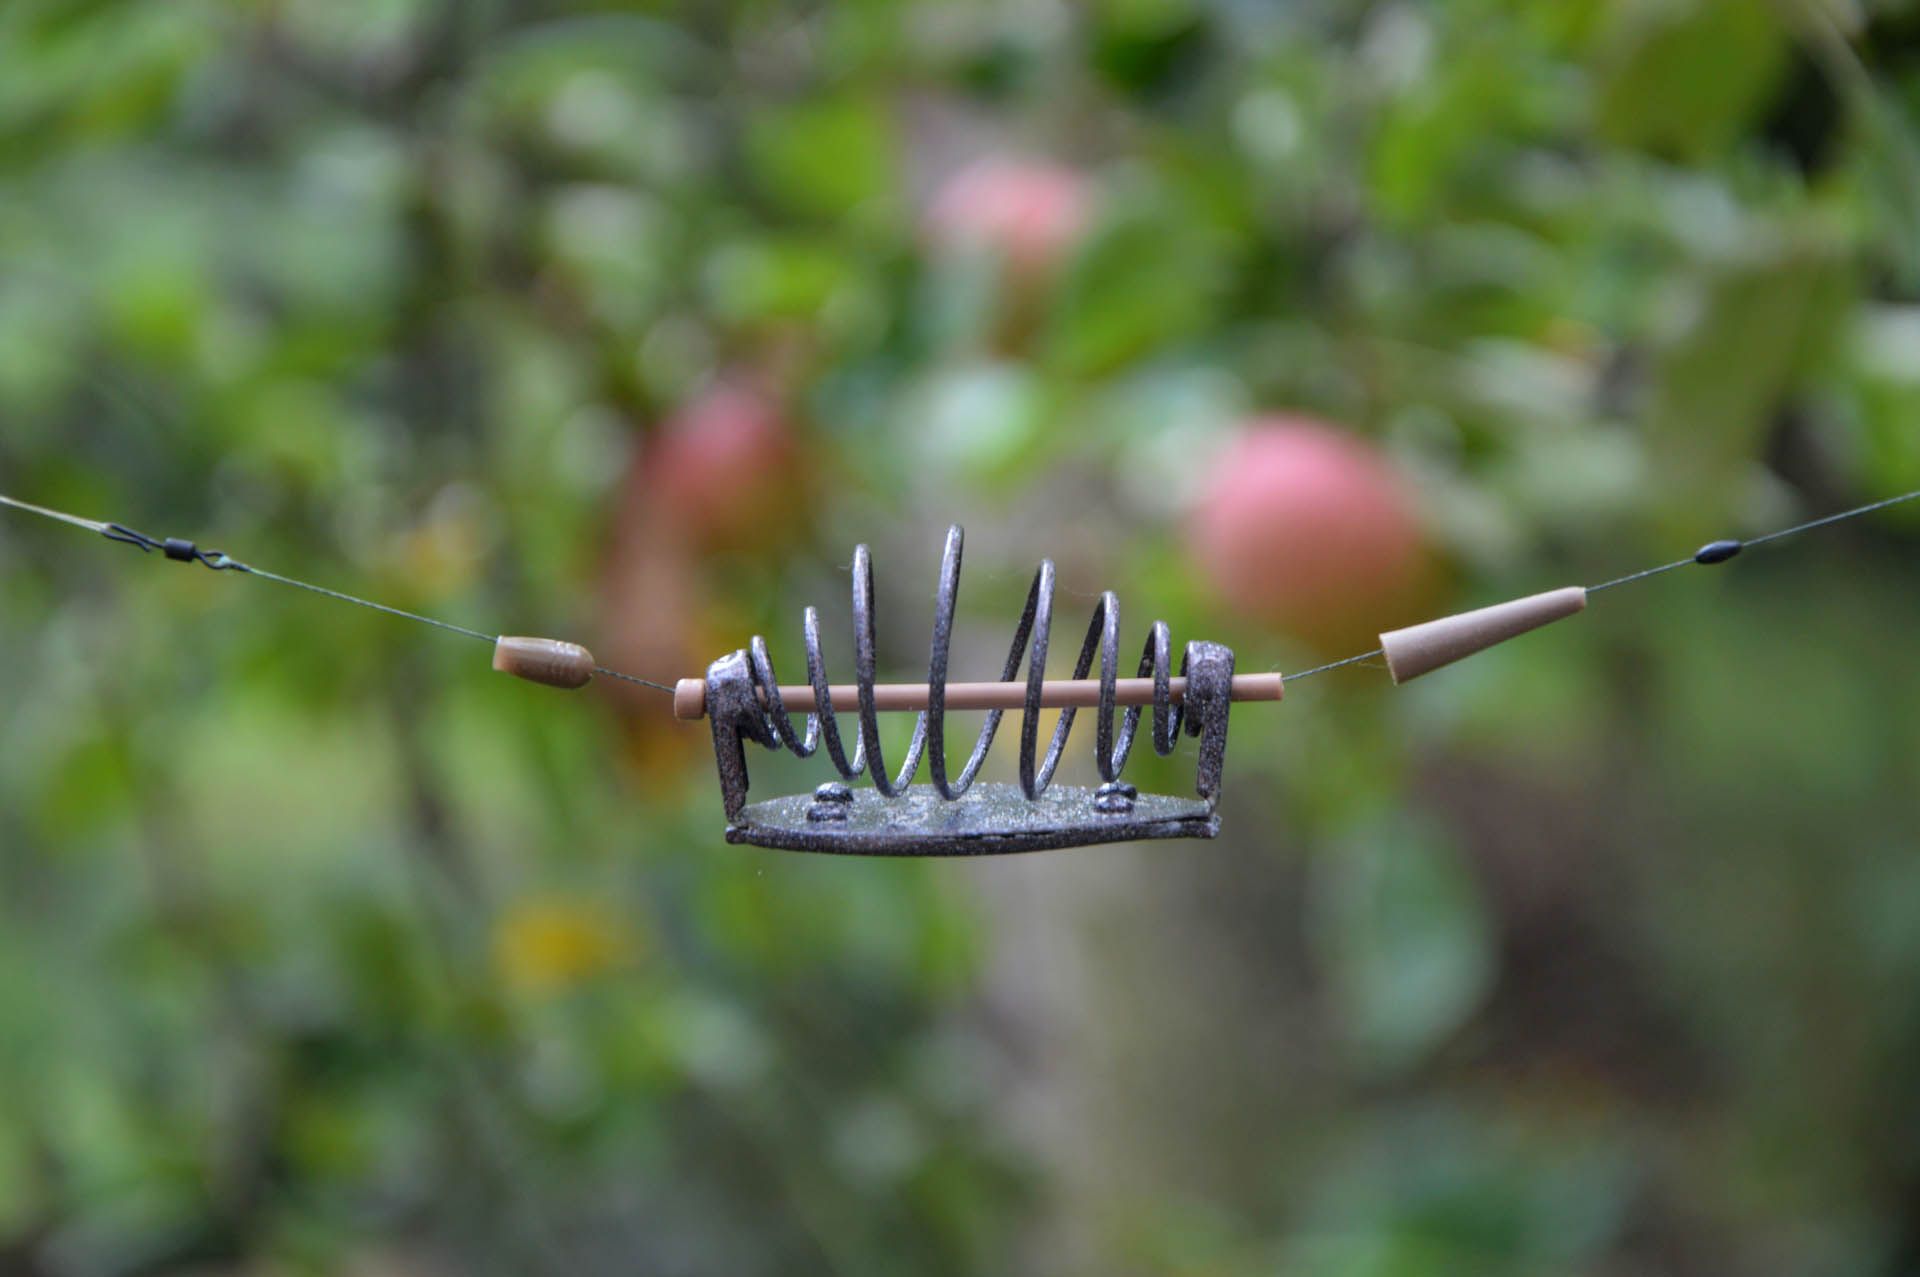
(989, 820)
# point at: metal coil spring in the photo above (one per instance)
(1030, 639)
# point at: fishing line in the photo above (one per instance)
(1720, 551)
(187, 552)
(1334, 665)
(1708, 555)
(182, 551)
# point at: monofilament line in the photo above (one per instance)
(1641, 575)
(630, 678)
(369, 604)
(1713, 552)
(186, 551)
(1854, 513)
(1334, 665)
(424, 620)
(1728, 549)
(73, 519)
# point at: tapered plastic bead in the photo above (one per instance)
(547, 661)
(1419, 649)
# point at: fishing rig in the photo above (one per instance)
(745, 703)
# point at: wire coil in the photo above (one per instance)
(770, 724)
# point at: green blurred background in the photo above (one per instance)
(326, 950)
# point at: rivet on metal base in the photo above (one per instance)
(831, 802)
(1115, 798)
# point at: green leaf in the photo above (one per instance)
(1148, 279)
(1404, 938)
(1686, 77)
(770, 278)
(1883, 386)
(825, 159)
(1751, 327)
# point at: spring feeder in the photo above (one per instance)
(957, 815)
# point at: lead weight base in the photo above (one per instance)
(990, 819)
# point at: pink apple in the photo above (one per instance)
(1031, 213)
(1311, 529)
(723, 466)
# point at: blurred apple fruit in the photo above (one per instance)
(720, 477)
(1030, 213)
(722, 468)
(650, 601)
(1307, 528)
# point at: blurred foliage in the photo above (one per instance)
(323, 951)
